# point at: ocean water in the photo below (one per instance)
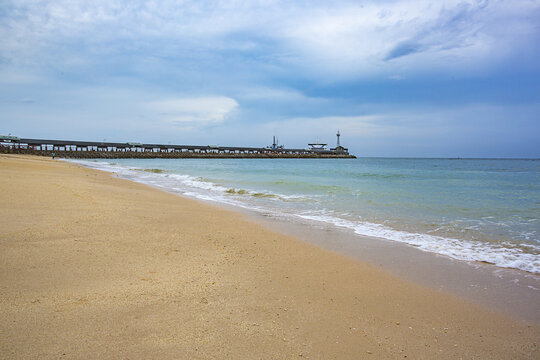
(468, 209)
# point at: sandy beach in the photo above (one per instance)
(92, 266)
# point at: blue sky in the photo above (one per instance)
(397, 78)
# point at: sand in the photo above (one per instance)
(92, 266)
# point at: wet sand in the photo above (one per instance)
(92, 266)
(511, 291)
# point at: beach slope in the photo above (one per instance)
(92, 266)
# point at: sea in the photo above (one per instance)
(476, 210)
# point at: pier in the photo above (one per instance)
(113, 150)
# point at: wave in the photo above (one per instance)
(500, 254)
(378, 176)
(496, 254)
(155, 171)
(164, 179)
(303, 186)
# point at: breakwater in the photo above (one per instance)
(110, 150)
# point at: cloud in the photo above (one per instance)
(199, 110)
(315, 39)
(269, 93)
(26, 101)
(300, 68)
(453, 28)
(360, 40)
(404, 48)
(17, 76)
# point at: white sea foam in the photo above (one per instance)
(501, 254)
(454, 248)
(194, 187)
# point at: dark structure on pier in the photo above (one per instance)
(112, 150)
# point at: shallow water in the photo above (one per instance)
(468, 209)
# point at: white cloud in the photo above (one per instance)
(317, 38)
(387, 37)
(200, 110)
(129, 60)
(16, 76)
(281, 95)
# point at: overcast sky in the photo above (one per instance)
(397, 78)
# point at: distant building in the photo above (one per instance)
(339, 149)
(317, 146)
(275, 145)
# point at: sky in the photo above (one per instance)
(397, 78)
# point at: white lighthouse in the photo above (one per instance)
(339, 149)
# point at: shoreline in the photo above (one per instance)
(511, 291)
(465, 241)
(97, 266)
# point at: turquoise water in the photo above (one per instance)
(468, 209)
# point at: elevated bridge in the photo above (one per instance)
(115, 150)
